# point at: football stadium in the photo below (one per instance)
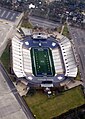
(42, 60)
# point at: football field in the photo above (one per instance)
(42, 62)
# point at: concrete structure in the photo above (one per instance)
(63, 58)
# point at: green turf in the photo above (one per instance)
(26, 24)
(66, 31)
(5, 58)
(45, 108)
(42, 62)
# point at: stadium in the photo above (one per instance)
(41, 60)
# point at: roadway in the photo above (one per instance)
(43, 23)
(78, 39)
(13, 90)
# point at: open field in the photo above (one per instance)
(46, 108)
(66, 31)
(5, 58)
(26, 24)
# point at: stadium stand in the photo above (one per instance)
(17, 57)
(68, 57)
(27, 60)
(57, 61)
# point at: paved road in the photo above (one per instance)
(42, 23)
(16, 94)
(78, 38)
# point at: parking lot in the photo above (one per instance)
(8, 14)
(4, 29)
(5, 33)
(9, 20)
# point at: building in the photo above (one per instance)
(42, 60)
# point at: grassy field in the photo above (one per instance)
(26, 24)
(45, 108)
(5, 58)
(65, 31)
